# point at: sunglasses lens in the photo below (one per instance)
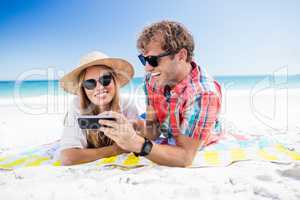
(142, 59)
(89, 84)
(152, 60)
(105, 80)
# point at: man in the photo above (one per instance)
(183, 101)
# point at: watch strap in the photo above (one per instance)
(144, 152)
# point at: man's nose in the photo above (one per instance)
(148, 68)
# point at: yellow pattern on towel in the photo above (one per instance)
(109, 160)
(212, 158)
(131, 160)
(267, 156)
(207, 157)
(294, 155)
(37, 161)
(13, 164)
(237, 154)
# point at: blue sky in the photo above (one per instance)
(232, 37)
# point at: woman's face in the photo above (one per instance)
(100, 95)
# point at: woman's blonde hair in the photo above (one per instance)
(96, 138)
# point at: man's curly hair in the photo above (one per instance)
(172, 36)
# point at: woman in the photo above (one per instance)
(96, 83)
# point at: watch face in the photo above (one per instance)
(148, 148)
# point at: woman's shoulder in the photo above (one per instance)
(74, 105)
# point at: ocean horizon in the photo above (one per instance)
(31, 88)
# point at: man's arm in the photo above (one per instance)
(122, 132)
(203, 109)
(181, 155)
(74, 156)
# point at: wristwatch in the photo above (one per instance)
(146, 148)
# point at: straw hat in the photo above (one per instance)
(123, 70)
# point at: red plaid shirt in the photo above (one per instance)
(191, 108)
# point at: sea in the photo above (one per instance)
(34, 88)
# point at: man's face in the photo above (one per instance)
(165, 72)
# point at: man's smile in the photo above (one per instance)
(155, 74)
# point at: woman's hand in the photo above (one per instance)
(118, 149)
(122, 132)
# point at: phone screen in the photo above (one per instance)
(91, 122)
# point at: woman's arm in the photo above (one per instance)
(74, 156)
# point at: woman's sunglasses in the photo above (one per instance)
(152, 60)
(91, 84)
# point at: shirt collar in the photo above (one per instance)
(182, 85)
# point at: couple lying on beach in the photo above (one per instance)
(183, 103)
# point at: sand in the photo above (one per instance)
(272, 113)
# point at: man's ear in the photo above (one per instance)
(182, 54)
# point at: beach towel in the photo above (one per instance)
(230, 149)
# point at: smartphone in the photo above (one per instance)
(91, 122)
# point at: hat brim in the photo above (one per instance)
(123, 70)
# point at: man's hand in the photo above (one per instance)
(122, 132)
(151, 129)
(140, 127)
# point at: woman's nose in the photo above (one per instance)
(99, 86)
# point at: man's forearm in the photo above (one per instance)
(77, 156)
(181, 155)
(171, 156)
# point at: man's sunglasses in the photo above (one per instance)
(152, 60)
(91, 84)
